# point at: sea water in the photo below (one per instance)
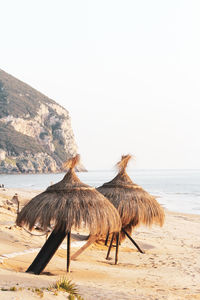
(176, 190)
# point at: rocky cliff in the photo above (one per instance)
(35, 132)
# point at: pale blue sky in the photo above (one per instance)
(127, 71)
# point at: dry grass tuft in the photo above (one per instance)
(122, 164)
(71, 163)
(66, 285)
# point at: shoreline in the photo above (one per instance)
(26, 194)
(174, 189)
(169, 269)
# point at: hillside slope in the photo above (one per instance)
(35, 132)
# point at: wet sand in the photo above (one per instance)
(169, 269)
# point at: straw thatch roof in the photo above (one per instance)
(71, 203)
(135, 205)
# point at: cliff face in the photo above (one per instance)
(35, 132)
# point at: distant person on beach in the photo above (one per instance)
(15, 200)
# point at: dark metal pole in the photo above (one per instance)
(68, 249)
(117, 248)
(134, 243)
(107, 257)
(47, 252)
(106, 241)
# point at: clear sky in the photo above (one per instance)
(127, 71)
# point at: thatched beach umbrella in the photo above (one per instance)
(66, 204)
(134, 204)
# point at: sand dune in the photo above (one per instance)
(169, 269)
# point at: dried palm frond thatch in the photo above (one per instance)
(134, 204)
(66, 204)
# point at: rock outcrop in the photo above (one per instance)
(35, 132)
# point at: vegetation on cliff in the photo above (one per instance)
(35, 132)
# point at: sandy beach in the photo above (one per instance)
(169, 269)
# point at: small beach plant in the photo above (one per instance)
(13, 289)
(66, 285)
(39, 292)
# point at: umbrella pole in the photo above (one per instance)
(117, 248)
(134, 243)
(47, 252)
(91, 240)
(106, 241)
(107, 257)
(68, 249)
